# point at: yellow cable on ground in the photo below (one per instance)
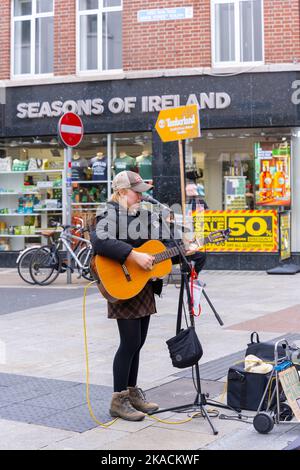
(110, 423)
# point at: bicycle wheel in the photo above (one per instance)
(45, 266)
(85, 256)
(23, 265)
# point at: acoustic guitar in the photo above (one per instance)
(119, 282)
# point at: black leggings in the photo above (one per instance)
(133, 334)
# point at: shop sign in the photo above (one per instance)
(251, 230)
(118, 105)
(178, 123)
(285, 235)
(165, 14)
(289, 379)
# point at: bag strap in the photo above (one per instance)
(252, 337)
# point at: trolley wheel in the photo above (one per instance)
(286, 412)
(263, 422)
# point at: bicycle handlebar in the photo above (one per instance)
(66, 227)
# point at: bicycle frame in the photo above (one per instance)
(65, 240)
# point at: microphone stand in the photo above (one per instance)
(185, 270)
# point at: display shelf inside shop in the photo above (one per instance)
(86, 203)
(5, 235)
(90, 182)
(19, 214)
(60, 170)
(19, 193)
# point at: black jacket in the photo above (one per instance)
(112, 238)
(113, 234)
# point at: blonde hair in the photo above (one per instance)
(115, 197)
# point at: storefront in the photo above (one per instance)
(246, 159)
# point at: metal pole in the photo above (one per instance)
(68, 201)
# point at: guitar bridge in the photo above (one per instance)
(126, 272)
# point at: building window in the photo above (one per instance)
(237, 29)
(99, 35)
(33, 37)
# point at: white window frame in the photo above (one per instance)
(34, 15)
(99, 12)
(236, 62)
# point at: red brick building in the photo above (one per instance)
(117, 63)
(159, 45)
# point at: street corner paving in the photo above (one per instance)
(149, 168)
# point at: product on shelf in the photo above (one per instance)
(3, 228)
(4, 245)
(20, 165)
(265, 182)
(5, 164)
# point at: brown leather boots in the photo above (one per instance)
(131, 404)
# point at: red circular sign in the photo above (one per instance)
(70, 129)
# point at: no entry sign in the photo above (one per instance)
(70, 129)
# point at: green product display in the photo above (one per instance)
(144, 165)
(124, 164)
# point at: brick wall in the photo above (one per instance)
(4, 39)
(282, 31)
(65, 37)
(163, 44)
(166, 44)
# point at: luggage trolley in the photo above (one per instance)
(277, 412)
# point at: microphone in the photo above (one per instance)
(150, 199)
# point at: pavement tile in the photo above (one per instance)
(280, 321)
(249, 439)
(90, 440)
(76, 419)
(25, 413)
(160, 439)
(21, 436)
(72, 397)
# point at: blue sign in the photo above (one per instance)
(165, 14)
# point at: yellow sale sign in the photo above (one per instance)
(250, 230)
(178, 123)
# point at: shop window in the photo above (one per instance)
(32, 37)
(237, 30)
(99, 35)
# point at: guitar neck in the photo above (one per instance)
(172, 252)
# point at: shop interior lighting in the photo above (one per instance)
(13, 143)
(37, 140)
(53, 141)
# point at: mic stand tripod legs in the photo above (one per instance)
(200, 400)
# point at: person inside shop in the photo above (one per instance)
(124, 163)
(99, 167)
(79, 167)
(129, 401)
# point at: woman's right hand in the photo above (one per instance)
(144, 260)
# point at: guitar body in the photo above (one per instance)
(122, 282)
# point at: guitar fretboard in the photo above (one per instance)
(171, 252)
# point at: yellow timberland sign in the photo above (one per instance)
(178, 123)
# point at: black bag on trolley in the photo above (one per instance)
(264, 350)
(245, 389)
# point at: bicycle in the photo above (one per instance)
(47, 263)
